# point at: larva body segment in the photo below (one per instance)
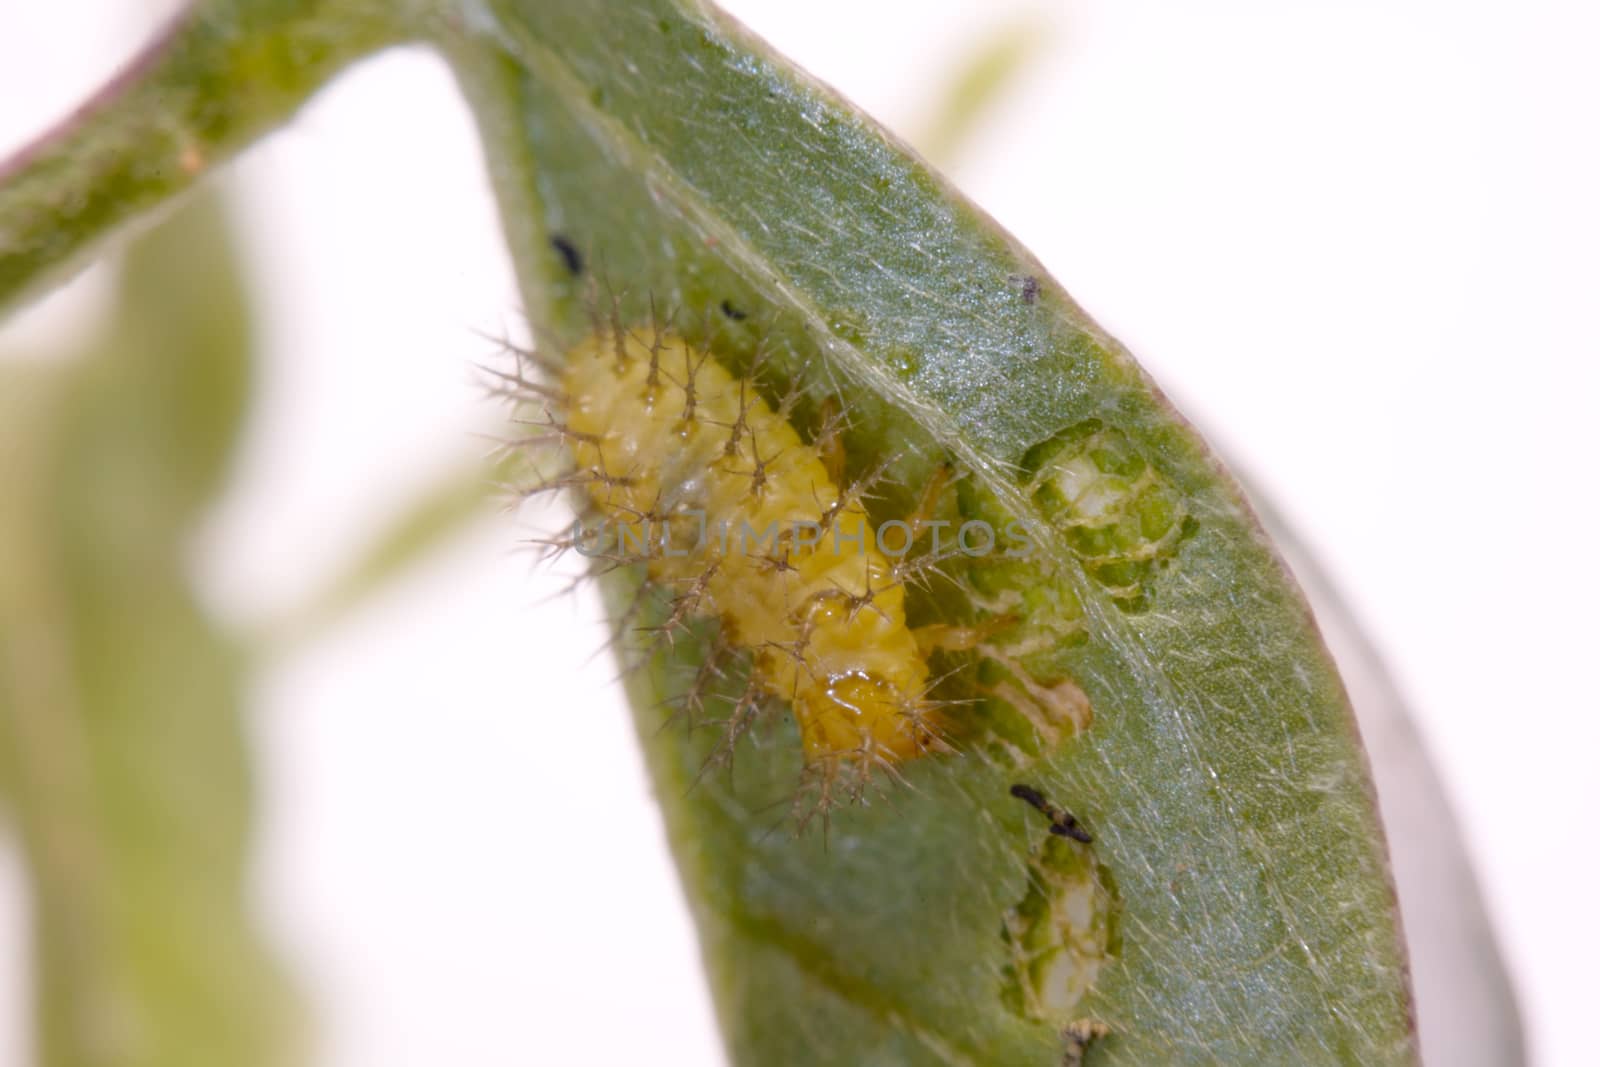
(738, 517)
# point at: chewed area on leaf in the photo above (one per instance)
(1121, 516)
(1059, 935)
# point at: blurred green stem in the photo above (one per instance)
(214, 79)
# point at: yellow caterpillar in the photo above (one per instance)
(742, 521)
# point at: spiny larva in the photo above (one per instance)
(741, 519)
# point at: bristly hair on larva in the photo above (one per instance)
(684, 470)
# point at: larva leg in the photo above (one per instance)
(947, 637)
(921, 520)
(920, 568)
(830, 439)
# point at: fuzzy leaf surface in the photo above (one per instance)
(1223, 777)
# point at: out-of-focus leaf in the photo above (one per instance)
(1222, 776)
(120, 701)
(438, 512)
(990, 69)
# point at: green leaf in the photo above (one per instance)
(1236, 890)
(1222, 776)
(122, 754)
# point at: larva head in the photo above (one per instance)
(871, 703)
(854, 715)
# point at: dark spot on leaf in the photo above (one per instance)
(1062, 823)
(1030, 287)
(733, 313)
(570, 256)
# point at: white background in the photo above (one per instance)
(1357, 242)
